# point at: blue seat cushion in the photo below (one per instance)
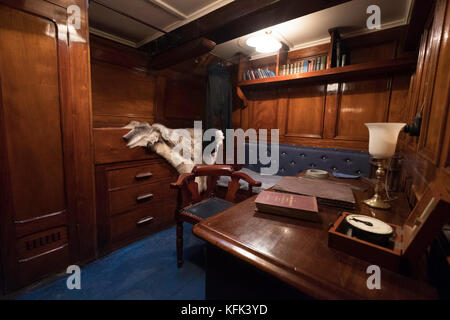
(295, 159)
(209, 207)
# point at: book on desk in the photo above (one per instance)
(288, 204)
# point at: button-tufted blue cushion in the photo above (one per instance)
(295, 159)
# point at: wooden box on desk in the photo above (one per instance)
(408, 242)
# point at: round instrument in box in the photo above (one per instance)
(369, 228)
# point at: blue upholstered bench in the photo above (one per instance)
(295, 159)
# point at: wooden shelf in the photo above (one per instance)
(339, 73)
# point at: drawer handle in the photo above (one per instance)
(144, 220)
(143, 175)
(144, 197)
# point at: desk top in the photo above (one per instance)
(297, 252)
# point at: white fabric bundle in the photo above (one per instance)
(169, 143)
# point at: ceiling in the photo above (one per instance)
(299, 33)
(163, 14)
(312, 29)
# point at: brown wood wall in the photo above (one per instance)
(427, 158)
(331, 114)
(124, 89)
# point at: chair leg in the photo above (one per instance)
(179, 243)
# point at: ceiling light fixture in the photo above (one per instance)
(264, 43)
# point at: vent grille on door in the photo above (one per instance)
(39, 243)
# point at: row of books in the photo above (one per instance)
(258, 74)
(318, 63)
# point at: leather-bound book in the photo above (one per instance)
(327, 192)
(288, 204)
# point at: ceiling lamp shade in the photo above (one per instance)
(264, 43)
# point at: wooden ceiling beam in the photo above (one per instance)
(186, 51)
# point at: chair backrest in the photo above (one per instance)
(189, 188)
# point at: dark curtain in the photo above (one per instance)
(218, 97)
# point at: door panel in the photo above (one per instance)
(31, 108)
(37, 218)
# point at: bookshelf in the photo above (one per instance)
(332, 71)
(338, 73)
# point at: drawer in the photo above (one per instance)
(141, 221)
(140, 174)
(140, 196)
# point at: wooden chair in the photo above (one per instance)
(193, 207)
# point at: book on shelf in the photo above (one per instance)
(288, 204)
(327, 192)
(259, 73)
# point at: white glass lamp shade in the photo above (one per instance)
(264, 43)
(383, 139)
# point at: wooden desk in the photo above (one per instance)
(282, 253)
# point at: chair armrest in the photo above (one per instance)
(181, 180)
(250, 181)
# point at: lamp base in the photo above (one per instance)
(377, 202)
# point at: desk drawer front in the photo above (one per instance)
(139, 175)
(139, 196)
(141, 221)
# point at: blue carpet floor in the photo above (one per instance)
(143, 270)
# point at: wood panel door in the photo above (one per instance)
(46, 189)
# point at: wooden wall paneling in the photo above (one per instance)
(245, 117)
(184, 102)
(236, 118)
(104, 50)
(263, 109)
(362, 102)
(111, 148)
(7, 234)
(308, 52)
(283, 105)
(121, 95)
(306, 111)
(437, 85)
(159, 98)
(421, 166)
(399, 98)
(382, 51)
(80, 113)
(384, 44)
(416, 90)
(332, 101)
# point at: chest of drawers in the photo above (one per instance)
(133, 200)
(133, 197)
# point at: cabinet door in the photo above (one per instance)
(39, 173)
